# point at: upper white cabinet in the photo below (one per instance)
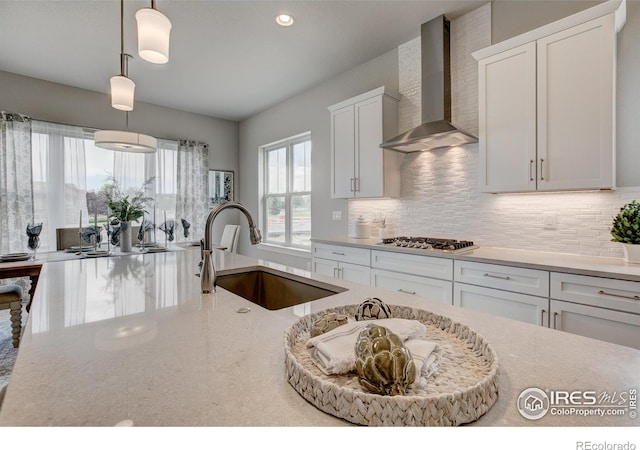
(359, 167)
(547, 106)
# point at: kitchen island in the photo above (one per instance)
(132, 340)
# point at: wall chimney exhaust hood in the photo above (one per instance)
(436, 130)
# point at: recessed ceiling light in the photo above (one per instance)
(284, 20)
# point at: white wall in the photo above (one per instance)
(44, 100)
(439, 191)
(308, 112)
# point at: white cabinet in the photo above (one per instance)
(600, 308)
(342, 270)
(547, 111)
(514, 292)
(525, 308)
(598, 323)
(347, 263)
(359, 167)
(428, 288)
(424, 276)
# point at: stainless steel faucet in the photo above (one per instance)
(208, 271)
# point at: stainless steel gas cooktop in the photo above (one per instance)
(433, 244)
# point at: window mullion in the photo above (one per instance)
(289, 210)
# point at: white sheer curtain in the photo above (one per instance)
(59, 178)
(192, 193)
(16, 193)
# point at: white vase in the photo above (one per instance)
(125, 236)
(631, 253)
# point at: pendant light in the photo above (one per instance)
(122, 87)
(125, 141)
(122, 95)
(154, 29)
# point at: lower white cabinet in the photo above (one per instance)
(512, 305)
(428, 288)
(601, 308)
(345, 271)
(512, 292)
(599, 323)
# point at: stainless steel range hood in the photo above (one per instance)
(436, 130)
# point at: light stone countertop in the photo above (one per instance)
(596, 266)
(133, 339)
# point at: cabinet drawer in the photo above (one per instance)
(413, 264)
(525, 308)
(515, 279)
(351, 255)
(608, 293)
(429, 288)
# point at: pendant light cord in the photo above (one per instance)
(122, 55)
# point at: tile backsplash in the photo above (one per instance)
(439, 195)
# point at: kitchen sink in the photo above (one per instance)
(273, 289)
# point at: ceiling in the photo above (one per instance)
(228, 59)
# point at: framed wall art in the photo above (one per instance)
(220, 186)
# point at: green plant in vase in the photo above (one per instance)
(626, 230)
(125, 207)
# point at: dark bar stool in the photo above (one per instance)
(11, 297)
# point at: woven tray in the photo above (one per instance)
(463, 389)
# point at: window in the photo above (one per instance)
(69, 173)
(286, 200)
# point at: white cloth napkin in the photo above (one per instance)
(334, 351)
(426, 357)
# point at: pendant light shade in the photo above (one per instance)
(125, 141)
(154, 29)
(122, 93)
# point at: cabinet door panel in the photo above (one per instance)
(525, 308)
(428, 288)
(353, 255)
(621, 295)
(343, 152)
(413, 264)
(508, 278)
(355, 273)
(507, 120)
(576, 80)
(369, 161)
(324, 267)
(598, 323)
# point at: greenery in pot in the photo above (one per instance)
(125, 206)
(626, 225)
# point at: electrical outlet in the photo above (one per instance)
(550, 220)
(337, 215)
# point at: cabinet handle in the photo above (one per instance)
(356, 184)
(351, 184)
(339, 271)
(337, 253)
(541, 173)
(635, 297)
(334, 272)
(496, 276)
(407, 292)
(555, 316)
(542, 317)
(531, 162)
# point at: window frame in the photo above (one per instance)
(288, 246)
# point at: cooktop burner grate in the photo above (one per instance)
(427, 243)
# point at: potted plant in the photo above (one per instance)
(125, 207)
(626, 230)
